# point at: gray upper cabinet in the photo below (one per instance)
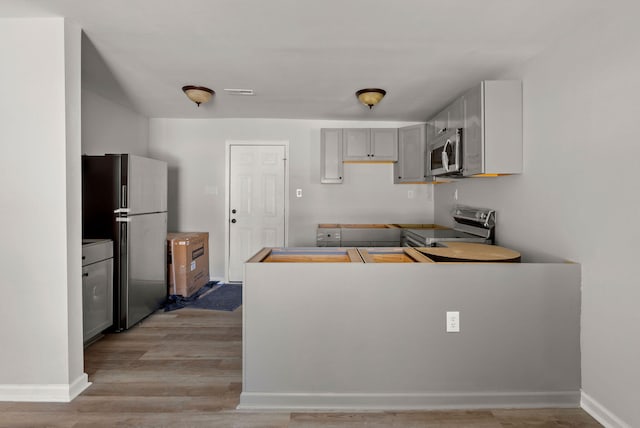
(410, 167)
(453, 116)
(384, 144)
(357, 142)
(441, 121)
(449, 118)
(492, 131)
(490, 116)
(377, 144)
(331, 155)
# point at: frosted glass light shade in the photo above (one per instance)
(198, 94)
(370, 96)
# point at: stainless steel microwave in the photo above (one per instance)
(445, 154)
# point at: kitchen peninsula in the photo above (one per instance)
(357, 335)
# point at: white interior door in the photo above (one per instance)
(256, 202)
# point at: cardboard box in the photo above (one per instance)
(188, 259)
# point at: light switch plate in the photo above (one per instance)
(298, 193)
(453, 322)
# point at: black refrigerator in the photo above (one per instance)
(124, 198)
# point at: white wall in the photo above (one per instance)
(579, 194)
(72, 56)
(39, 252)
(195, 151)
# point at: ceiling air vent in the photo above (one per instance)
(239, 91)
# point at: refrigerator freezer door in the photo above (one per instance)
(146, 185)
(143, 258)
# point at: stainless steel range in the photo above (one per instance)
(470, 225)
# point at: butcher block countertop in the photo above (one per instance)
(380, 226)
(306, 255)
(420, 226)
(470, 252)
(446, 252)
(393, 255)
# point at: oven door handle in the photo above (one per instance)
(445, 156)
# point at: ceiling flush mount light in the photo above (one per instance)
(370, 96)
(198, 94)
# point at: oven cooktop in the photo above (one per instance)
(470, 225)
(428, 237)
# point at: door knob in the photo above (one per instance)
(233, 211)
(233, 220)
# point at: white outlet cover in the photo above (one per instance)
(298, 193)
(453, 322)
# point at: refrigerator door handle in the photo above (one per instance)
(121, 210)
(124, 195)
(123, 219)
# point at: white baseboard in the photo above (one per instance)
(421, 401)
(61, 393)
(601, 413)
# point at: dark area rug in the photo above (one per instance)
(227, 297)
(220, 297)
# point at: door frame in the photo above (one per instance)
(227, 193)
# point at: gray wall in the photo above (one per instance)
(372, 336)
(195, 151)
(578, 196)
(110, 122)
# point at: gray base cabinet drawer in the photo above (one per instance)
(328, 237)
(97, 287)
(97, 298)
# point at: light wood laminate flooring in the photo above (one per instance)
(184, 369)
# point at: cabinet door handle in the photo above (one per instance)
(85, 274)
(233, 220)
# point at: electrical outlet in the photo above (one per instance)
(453, 322)
(455, 195)
(298, 193)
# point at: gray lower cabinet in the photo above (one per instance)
(410, 167)
(331, 168)
(97, 288)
